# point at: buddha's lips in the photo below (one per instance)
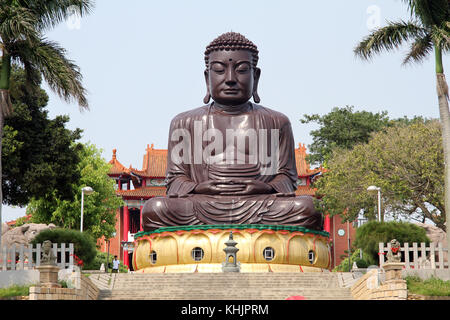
(231, 90)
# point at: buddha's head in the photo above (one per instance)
(231, 74)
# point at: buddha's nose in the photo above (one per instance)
(230, 77)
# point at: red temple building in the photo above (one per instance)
(137, 186)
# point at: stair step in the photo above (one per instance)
(237, 286)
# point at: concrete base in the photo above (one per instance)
(48, 276)
(393, 270)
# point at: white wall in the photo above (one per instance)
(18, 277)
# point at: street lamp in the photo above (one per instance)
(378, 189)
(85, 190)
(113, 235)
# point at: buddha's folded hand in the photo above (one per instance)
(251, 186)
(219, 187)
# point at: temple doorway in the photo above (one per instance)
(135, 221)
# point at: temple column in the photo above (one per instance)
(126, 227)
(326, 224)
(140, 218)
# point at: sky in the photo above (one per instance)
(142, 64)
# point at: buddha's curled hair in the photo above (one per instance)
(231, 41)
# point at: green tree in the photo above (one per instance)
(428, 30)
(39, 154)
(343, 128)
(369, 235)
(406, 161)
(83, 243)
(22, 27)
(99, 207)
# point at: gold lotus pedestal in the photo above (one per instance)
(262, 248)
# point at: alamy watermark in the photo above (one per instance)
(74, 18)
(243, 146)
(374, 19)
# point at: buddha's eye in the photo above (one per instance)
(217, 68)
(243, 68)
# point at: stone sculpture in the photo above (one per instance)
(48, 257)
(24, 234)
(394, 255)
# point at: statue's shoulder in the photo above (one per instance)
(193, 114)
(277, 116)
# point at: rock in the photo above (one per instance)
(5, 228)
(435, 235)
(24, 234)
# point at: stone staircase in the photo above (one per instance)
(103, 281)
(226, 286)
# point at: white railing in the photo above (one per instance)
(27, 257)
(419, 256)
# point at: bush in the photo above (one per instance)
(101, 258)
(356, 257)
(84, 245)
(15, 291)
(370, 234)
(429, 287)
(96, 263)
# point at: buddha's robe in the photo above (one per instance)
(202, 147)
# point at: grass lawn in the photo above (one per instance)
(14, 291)
(429, 287)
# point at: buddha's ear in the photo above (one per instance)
(257, 74)
(208, 94)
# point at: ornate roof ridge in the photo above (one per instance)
(117, 167)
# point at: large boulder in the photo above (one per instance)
(5, 228)
(24, 234)
(435, 235)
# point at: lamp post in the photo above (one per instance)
(378, 189)
(107, 256)
(87, 190)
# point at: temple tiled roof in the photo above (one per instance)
(144, 192)
(117, 168)
(305, 191)
(303, 168)
(154, 164)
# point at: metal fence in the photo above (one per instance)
(27, 257)
(419, 256)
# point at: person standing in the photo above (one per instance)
(115, 267)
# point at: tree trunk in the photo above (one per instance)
(442, 92)
(2, 119)
(5, 110)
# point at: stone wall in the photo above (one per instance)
(370, 287)
(85, 290)
(18, 277)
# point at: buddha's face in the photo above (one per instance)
(231, 78)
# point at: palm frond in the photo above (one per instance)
(389, 37)
(441, 37)
(419, 50)
(18, 23)
(53, 12)
(20, 52)
(429, 12)
(61, 74)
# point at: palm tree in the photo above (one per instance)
(22, 26)
(428, 30)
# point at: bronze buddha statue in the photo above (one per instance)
(231, 161)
